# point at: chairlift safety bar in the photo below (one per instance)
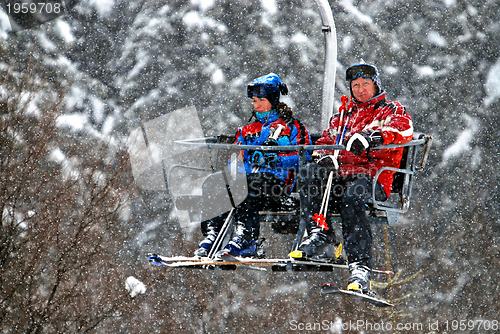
(210, 142)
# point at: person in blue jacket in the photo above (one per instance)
(268, 173)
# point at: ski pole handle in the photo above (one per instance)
(277, 132)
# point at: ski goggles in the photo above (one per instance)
(261, 90)
(363, 70)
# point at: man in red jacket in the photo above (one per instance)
(368, 121)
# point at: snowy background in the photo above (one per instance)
(112, 64)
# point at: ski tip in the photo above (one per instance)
(297, 254)
(156, 261)
(387, 272)
(152, 257)
(329, 288)
(225, 255)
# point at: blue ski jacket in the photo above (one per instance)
(272, 130)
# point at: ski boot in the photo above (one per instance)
(359, 280)
(242, 244)
(241, 247)
(207, 243)
(318, 245)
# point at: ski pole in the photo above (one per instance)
(340, 131)
(326, 195)
(342, 135)
(344, 100)
(222, 235)
(321, 217)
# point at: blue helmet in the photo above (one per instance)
(268, 86)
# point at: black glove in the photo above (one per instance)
(328, 161)
(260, 159)
(270, 142)
(359, 142)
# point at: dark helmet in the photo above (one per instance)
(366, 71)
(268, 86)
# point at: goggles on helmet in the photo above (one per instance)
(261, 90)
(363, 70)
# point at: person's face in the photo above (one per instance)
(363, 89)
(261, 104)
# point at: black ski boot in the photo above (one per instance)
(316, 243)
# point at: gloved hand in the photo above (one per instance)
(316, 155)
(260, 159)
(359, 142)
(328, 161)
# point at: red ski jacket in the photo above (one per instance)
(387, 117)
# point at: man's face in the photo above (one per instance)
(363, 89)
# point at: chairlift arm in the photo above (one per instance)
(424, 142)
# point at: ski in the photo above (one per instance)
(159, 260)
(196, 262)
(291, 264)
(228, 261)
(208, 264)
(301, 257)
(288, 264)
(328, 288)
